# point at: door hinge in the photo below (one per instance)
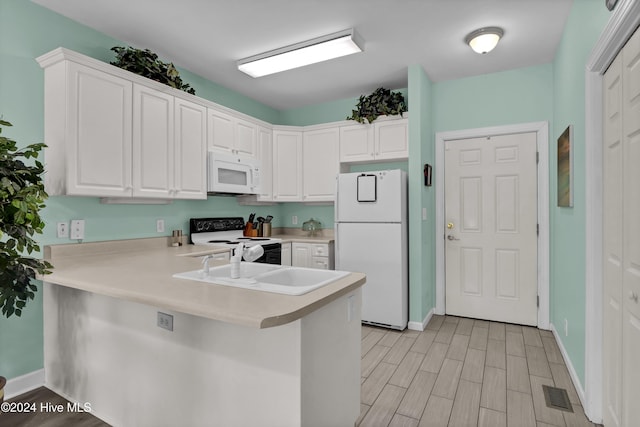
(537, 157)
(537, 300)
(537, 229)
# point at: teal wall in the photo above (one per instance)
(509, 97)
(26, 32)
(568, 258)
(422, 255)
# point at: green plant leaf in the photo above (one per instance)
(22, 196)
(146, 63)
(380, 102)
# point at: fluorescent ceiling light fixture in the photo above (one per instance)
(297, 55)
(484, 39)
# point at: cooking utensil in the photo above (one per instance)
(268, 218)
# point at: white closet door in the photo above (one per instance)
(612, 247)
(631, 232)
(621, 227)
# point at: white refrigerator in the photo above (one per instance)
(371, 237)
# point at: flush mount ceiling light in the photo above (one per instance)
(297, 55)
(484, 39)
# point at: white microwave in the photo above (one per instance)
(229, 173)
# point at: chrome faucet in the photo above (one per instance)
(205, 264)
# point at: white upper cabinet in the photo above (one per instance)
(381, 141)
(320, 164)
(169, 146)
(87, 131)
(231, 134)
(190, 150)
(152, 143)
(265, 156)
(111, 133)
(391, 139)
(287, 165)
(356, 143)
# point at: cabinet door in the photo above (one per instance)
(320, 262)
(98, 133)
(391, 140)
(265, 156)
(356, 143)
(221, 131)
(287, 161)
(190, 175)
(152, 143)
(246, 138)
(285, 254)
(320, 164)
(301, 255)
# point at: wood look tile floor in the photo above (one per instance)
(463, 372)
(458, 372)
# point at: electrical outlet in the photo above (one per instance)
(424, 214)
(63, 230)
(294, 220)
(566, 328)
(77, 229)
(165, 321)
(160, 226)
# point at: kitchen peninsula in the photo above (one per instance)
(235, 357)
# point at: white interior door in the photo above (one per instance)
(491, 216)
(612, 244)
(621, 233)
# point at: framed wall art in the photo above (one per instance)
(565, 168)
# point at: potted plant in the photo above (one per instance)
(22, 197)
(146, 63)
(381, 102)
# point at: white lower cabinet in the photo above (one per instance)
(285, 254)
(313, 255)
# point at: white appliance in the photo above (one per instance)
(227, 233)
(371, 237)
(228, 173)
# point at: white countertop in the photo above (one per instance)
(140, 270)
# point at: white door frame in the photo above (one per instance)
(542, 139)
(623, 21)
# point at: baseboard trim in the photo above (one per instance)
(572, 372)
(420, 326)
(24, 383)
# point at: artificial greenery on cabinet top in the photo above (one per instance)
(146, 63)
(22, 197)
(381, 102)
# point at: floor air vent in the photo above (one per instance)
(557, 398)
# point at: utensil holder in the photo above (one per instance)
(266, 229)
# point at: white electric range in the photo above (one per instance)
(227, 232)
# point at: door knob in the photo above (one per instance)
(450, 237)
(450, 225)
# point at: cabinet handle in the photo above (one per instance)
(633, 296)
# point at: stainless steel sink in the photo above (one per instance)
(267, 277)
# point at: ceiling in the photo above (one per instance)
(207, 37)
